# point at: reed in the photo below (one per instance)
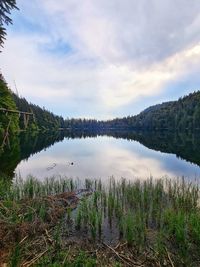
(162, 214)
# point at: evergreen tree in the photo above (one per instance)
(7, 102)
(5, 10)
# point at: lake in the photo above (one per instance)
(101, 155)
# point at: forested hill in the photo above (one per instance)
(180, 115)
(175, 115)
(43, 119)
(7, 102)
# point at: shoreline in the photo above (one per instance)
(140, 223)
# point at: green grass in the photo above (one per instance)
(168, 208)
(152, 215)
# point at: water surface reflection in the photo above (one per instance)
(119, 154)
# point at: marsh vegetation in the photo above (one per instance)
(65, 222)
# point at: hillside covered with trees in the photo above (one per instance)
(180, 115)
(7, 102)
(42, 119)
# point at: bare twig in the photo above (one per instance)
(23, 239)
(31, 262)
(169, 258)
(67, 254)
(123, 258)
(48, 236)
(120, 245)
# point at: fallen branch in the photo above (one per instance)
(123, 258)
(67, 254)
(48, 236)
(169, 258)
(31, 262)
(23, 239)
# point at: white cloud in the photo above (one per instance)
(116, 52)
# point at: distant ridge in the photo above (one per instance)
(183, 114)
(180, 115)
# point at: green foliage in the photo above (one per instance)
(15, 257)
(161, 214)
(6, 7)
(6, 101)
(181, 115)
(81, 260)
(43, 119)
(129, 228)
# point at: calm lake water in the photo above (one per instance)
(119, 155)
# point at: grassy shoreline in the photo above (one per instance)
(65, 223)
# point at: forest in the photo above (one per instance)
(180, 115)
(7, 102)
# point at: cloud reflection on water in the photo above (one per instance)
(103, 157)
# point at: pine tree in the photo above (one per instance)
(5, 10)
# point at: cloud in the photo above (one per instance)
(151, 80)
(94, 57)
(128, 31)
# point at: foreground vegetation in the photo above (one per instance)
(122, 223)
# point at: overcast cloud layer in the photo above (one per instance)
(103, 58)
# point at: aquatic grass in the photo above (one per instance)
(194, 227)
(129, 228)
(42, 212)
(163, 214)
(93, 223)
(99, 223)
(32, 187)
(69, 213)
(57, 238)
(160, 244)
(111, 205)
(15, 257)
(78, 219)
(88, 184)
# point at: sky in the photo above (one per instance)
(102, 59)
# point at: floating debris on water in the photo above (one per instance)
(51, 167)
(70, 163)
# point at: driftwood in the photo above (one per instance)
(16, 111)
(26, 121)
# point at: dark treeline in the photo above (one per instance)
(22, 146)
(42, 120)
(180, 115)
(46, 120)
(6, 102)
